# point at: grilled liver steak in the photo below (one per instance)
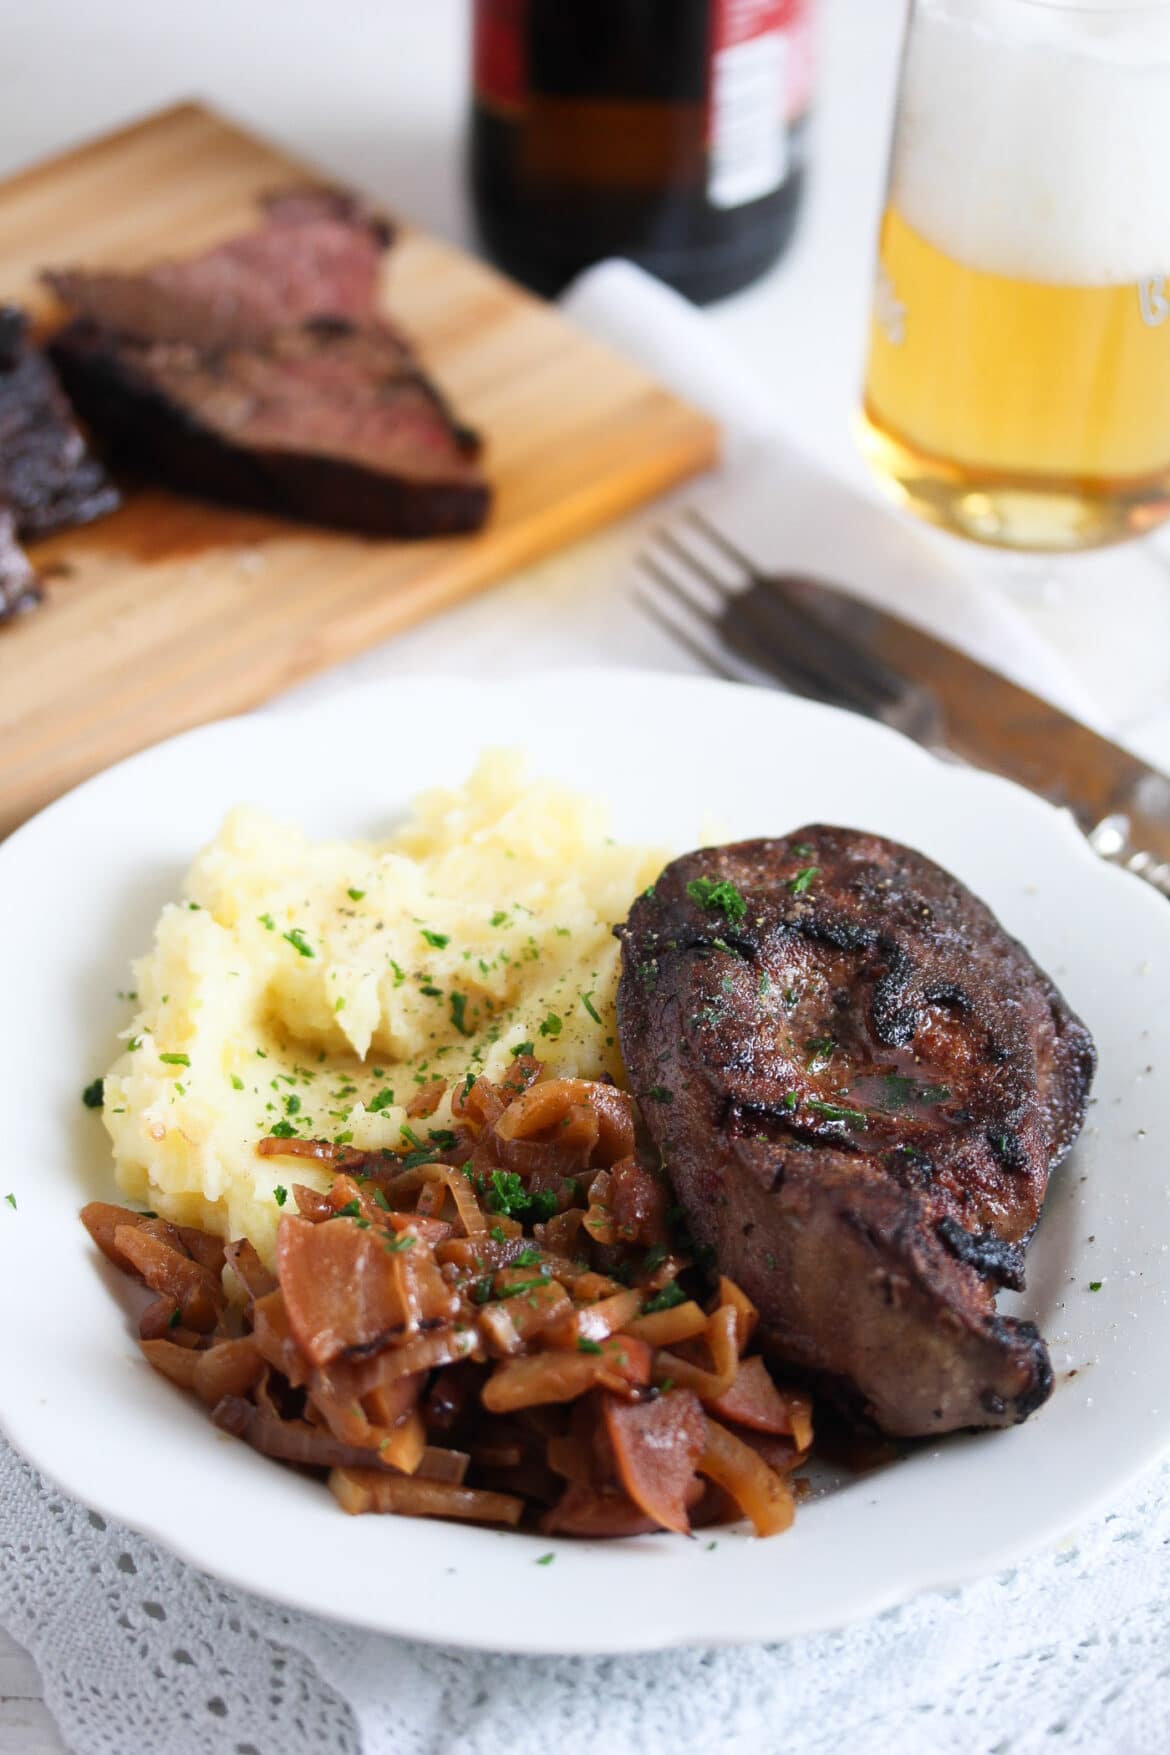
(262, 373)
(48, 479)
(860, 1084)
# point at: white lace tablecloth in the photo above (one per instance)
(141, 1655)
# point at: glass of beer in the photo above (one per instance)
(1018, 385)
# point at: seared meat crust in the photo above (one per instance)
(860, 1084)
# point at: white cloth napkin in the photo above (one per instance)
(139, 1653)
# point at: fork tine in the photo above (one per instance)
(717, 540)
(706, 637)
(670, 538)
(702, 645)
(682, 585)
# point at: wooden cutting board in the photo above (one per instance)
(172, 612)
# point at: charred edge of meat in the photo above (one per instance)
(148, 432)
(13, 327)
(990, 1256)
(20, 590)
(1011, 1332)
(1007, 1148)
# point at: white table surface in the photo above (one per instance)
(375, 91)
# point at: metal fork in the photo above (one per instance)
(819, 641)
(784, 628)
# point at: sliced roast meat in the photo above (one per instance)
(325, 423)
(48, 478)
(318, 253)
(860, 1084)
(262, 373)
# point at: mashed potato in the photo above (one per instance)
(315, 988)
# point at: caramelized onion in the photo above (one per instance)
(761, 1494)
(359, 1490)
(656, 1447)
(341, 1287)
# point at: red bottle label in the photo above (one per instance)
(498, 60)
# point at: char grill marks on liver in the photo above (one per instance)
(263, 373)
(860, 1084)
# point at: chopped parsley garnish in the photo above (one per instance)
(351, 1210)
(292, 1104)
(660, 1094)
(898, 1091)
(405, 1240)
(523, 1048)
(382, 1101)
(722, 894)
(1094, 1285)
(587, 1002)
(11, 1199)
(498, 1234)
(284, 1130)
(237, 1082)
(654, 1257)
(834, 1112)
(266, 920)
(666, 1299)
(175, 1059)
(804, 879)
(528, 1257)
(508, 1193)
(500, 918)
(552, 1025)
(93, 1094)
(381, 1201)
(545, 1560)
(355, 895)
(585, 1346)
(280, 1194)
(300, 944)
(442, 1137)
(519, 1286)
(458, 1014)
(399, 974)
(509, 1196)
(820, 1052)
(934, 1093)
(440, 940)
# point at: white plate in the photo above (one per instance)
(79, 890)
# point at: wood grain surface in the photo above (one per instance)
(173, 612)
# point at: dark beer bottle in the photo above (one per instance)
(672, 132)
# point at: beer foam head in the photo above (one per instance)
(1034, 140)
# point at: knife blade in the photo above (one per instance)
(951, 702)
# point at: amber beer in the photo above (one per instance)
(1018, 387)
